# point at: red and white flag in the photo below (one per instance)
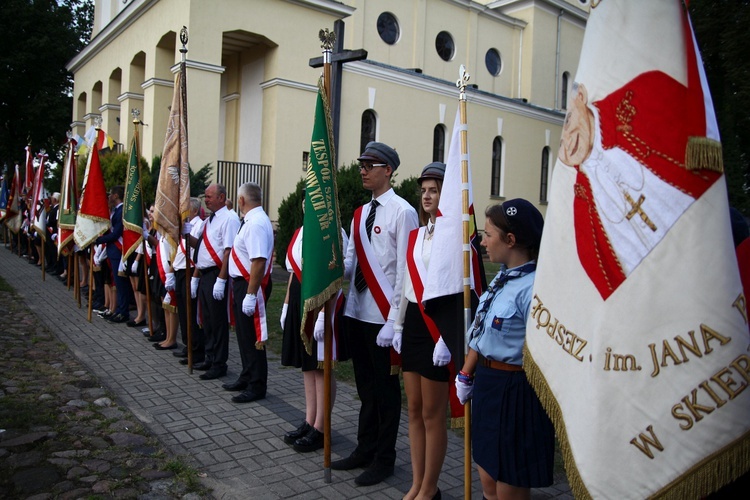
(38, 210)
(637, 341)
(93, 216)
(28, 180)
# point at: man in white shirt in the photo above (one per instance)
(209, 282)
(375, 263)
(250, 268)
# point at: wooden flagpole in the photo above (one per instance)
(188, 270)
(137, 121)
(327, 38)
(461, 84)
(77, 282)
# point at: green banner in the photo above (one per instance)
(322, 255)
(132, 204)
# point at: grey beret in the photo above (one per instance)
(435, 170)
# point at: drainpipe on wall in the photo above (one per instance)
(557, 62)
(520, 61)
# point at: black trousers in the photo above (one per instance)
(379, 391)
(197, 332)
(215, 319)
(254, 362)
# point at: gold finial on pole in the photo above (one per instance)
(463, 79)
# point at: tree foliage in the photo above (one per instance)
(38, 38)
(721, 30)
(351, 195)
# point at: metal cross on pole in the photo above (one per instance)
(339, 56)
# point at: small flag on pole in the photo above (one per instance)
(93, 216)
(68, 200)
(13, 214)
(132, 207)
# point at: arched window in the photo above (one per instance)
(564, 90)
(543, 183)
(497, 165)
(369, 125)
(438, 143)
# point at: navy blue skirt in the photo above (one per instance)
(512, 437)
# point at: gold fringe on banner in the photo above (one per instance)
(313, 304)
(260, 345)
(702, 153)
(458, 422)
(549, 402)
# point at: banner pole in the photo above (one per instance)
(327, 38)
(461, 84)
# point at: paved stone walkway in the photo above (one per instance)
(237, 447)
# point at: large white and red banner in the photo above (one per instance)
(637, 341)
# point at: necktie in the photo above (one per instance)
(242, 223)
(359, 278)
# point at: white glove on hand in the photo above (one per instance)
(121, 267)
(134, 267)
(283, 314)
(167, 299)
(441, 356)
(194, 281)
(186, 227)
(54, 236)
(248, 304)
(97, 262)
(398, 332)
(145, 233)
(219, 287)
(169, 282)
(385, 337)
(320, 327)
(464, 390)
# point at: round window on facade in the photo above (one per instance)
(388, 28)
(493, 62)
(445, 46)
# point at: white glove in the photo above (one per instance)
(320, 327)
(441, 356)
(145, 233)
(134, 267)
(97, 262)
(167, 299)
(54, 236)
(219, 287)
(121, 267)
(169, 282)
(186, 227)
(248, 304)
(283, 314)
(194, 281)
(398, 332)
(385, 337)
(464, 390)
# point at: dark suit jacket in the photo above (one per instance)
(115, 233)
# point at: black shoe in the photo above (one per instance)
(157, 338)
(247, 397)
(134, 323)
(438, 495)
(117, 318)
(106, 314)
(374, 474)
(311, 441)
(291, 436)
(353, 461)
(159, 347)
(180, 354)
(238, 385)
(204, 366)
(213, 373)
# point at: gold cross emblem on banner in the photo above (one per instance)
(638, 210)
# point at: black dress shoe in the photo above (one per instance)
(374, 474)
(117, 318)
(247, 397)
(213, 373)
(238, 385)
(180, 354)
(291, 436)
(203, 366)
(438, 495)
(353, 461)
(311, 441)
(134, 323)
(160, 347)
(157, 338)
